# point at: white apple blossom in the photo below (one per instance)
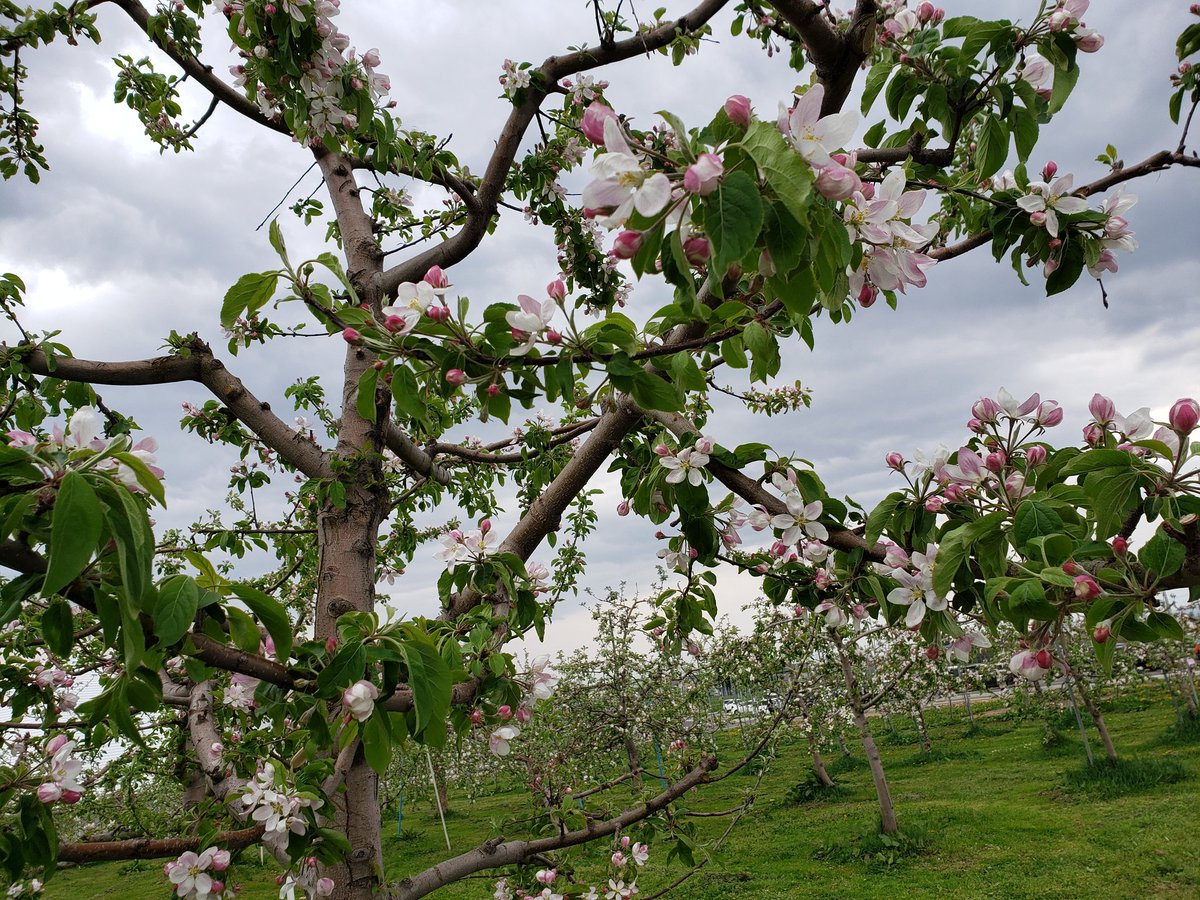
(814, 136)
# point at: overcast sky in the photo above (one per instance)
(119, 245)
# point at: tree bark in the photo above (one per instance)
(926, 746)
(887, 813)
(1098, 720)
(819, 764)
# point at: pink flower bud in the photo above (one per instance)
(331, 643)
(618, 859)
(553, 337)
(954, 493)
(867, 295)
(485, 525)
(1184, 416)
(623, 508)
(477, 717)
(934, 504)
(1035, 455)
(1049, 170)
(220, 860)
(1089, 43)
(557, 290)
(693, 553)
(217, 886)
(1120, 546)
(697, 250)
(895, 460)
(1103, 410)
(56, 743)
(594, 117)
(1071, 567)
(1093, 435)
(627, 244)
(391, 323)
(737, 108)
(493, 390)
(269, 9)
(71, 797)
(1101, 634)
(976, 426)
(932, 652)
(1086, 587)
(49, 792)
(524, 714)
(662, 450)
(868, 190)
(837, 182)
(693, 648)
(925, 12)
(704, 175)
(436, 278)
(1038, 218)
(858, 611)
(352, 336)
(660, 535)
(1044, 659)
(986, 410)
(456, 377)
(504, 713)
(995, 461)
(779, 548)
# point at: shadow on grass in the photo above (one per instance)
(876, 848)
(1107, 779)
(845, 764)
(921, 758)
(1184, 730)
(812, 790)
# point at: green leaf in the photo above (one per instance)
(765, 348)
(178, 600)
(147, 479)
(365, 401)
(271, 614)
(250, 294)
(1113, 495)
(733, 217)
(429, 679)
(880, 516)
(1035, 519)
(58, 627)
(243, 629)
(1091, 460)
(406, 392)
(651, 392)
(1162, 555)
(275, 235)
(345, 667)
(1064, 83)
(991, 147)
(1024, 131)
(953, 551)
(377, 742)
(75, 529)
(1165, 625)
(786, 172)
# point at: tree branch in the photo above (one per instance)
(203, 368)
(145, 848)
(493, 854)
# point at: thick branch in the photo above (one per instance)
(487, 195)
(413, 456)
(493, 855)
(836, 56)
(202, 367)
(145, 848)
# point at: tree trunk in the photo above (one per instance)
(1098, 720)
(845, 751)
(819, 765)
(926, 746)
(887, 813)
(347, 535)
(635, 761)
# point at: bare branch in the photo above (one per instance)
(145, 848)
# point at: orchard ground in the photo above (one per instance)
(998, 814)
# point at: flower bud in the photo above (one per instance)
(895, 460)
(837, 182)
(352, 336)
(704, 175)
(553, 337)
(557, 290)
(524, 714)
(627, 244)
(56, 743)
(493, 390)
(1184, 416)
(932, 652)
(662, 450)
(623, 508)
(1035, 455)
(436, 278)
(592, 124)
(737, 108)
(1103, 410)
(697, 250)
(456, 377)
(867, 295)
(934, 504)
(477, 717)
(1120, 546)
(1089, 43)
(868, 190)
(1044, 659)
(1086, 587)
(504, 713)
(485, 525)
(1037, 218)
(1101, 634)
(1093, 435)
(976, 426)
(49, 792)
(71, 797)
(995, 461)
(986, 410)
(1049, 170)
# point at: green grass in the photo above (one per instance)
(994, 815)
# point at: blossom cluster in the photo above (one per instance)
(626, 859)
(191, 876)
(334, 77)
(279, 811)
(64, 772)
(540, 682)
(83, 433)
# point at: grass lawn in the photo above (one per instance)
(999, 815)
